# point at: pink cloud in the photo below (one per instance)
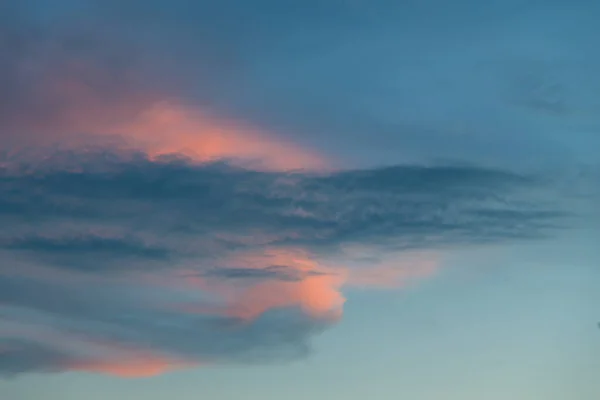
(74, 102)
(319, 293)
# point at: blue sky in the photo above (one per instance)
(272, 199)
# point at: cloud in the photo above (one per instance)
(97, 251)
(72, 83)
(275, 272)
(163, 205)
(123, 263)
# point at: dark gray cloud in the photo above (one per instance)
(20, 356)
(87, 251)
(86, 245)
(402, 205)
(280, 272)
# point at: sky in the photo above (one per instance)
(327, 199)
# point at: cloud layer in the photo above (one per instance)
(117, 262)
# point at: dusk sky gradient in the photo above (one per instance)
(325, 199)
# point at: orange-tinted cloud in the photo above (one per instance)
(318, 296)
(136, 365)
(167, 128)
(76, 103)
(77, 352)
(319, 290)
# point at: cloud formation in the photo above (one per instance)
(118, 262)
(161, 203)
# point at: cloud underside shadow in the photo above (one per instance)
(120, 263)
